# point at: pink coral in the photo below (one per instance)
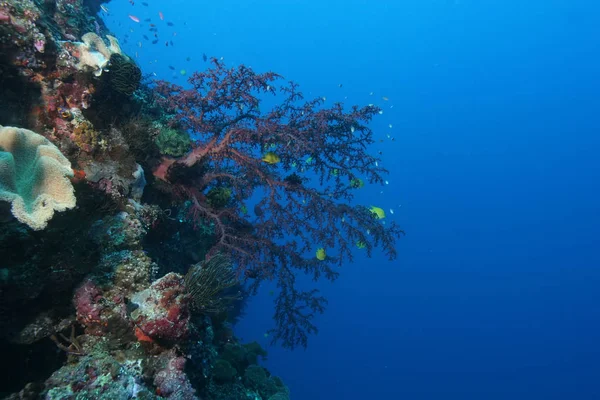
(170, 380)
(88, 304)
(163, 309)
(100, 312)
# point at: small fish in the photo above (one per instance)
(171, 67)
(167, 43)
(390, 125)
(188, 59)
(152, 25)
(387, 182)
(104, 8)
(271, 158)
(183, 72)
(384, 98)
(371, 94)
(380, 111)
(391, 210)
(360, 244)
(134, 18)
(145, 4)
(377, 212)
(161, 16)
(321, 254)
(340, 85)
(376, 164)
(356, 183)
(171, 42)
(145, 37)
(139, 44)
(352, 129)
(155, 41)
(324, 98)
(170, 24)
(148, 20)
(204, 57)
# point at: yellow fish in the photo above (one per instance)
(321, 255)
(378, 212)
(271, 158)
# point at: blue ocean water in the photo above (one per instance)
(494, 175)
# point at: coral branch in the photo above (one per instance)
(304, 182)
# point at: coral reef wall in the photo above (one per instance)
(93, 301)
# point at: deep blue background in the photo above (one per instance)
(494, 174)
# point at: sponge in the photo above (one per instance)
(34, 177)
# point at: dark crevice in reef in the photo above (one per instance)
(20, 99)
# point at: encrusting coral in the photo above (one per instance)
(34, 177)
(93, 53)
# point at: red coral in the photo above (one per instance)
(320, 152)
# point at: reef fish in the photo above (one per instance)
(271, 158)
(134, 18)
(378, 212)
(161, 15)
(321, 254)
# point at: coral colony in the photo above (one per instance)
(138, 216)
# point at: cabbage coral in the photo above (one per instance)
(34, 177)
